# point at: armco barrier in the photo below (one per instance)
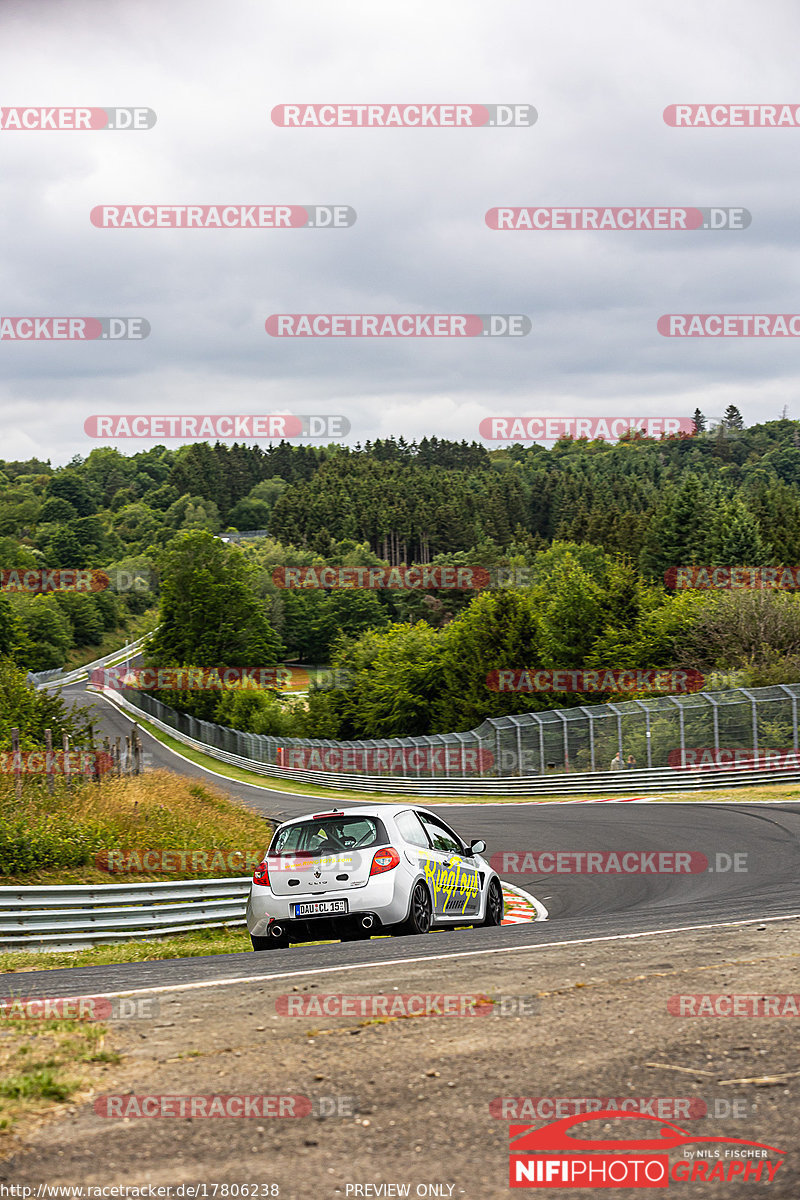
(43, 679)
(573, 783)
(72, 918)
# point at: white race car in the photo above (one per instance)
(389, 868)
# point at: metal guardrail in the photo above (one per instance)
(43, 679)
(614, 782)
(75, 917)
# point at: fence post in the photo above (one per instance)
(590, 719)
(565, 737)
(754, 716)
(67, 765)
(95, 764)
(17, 762)
(793, 699)
(48, 760)
(681, 729)
(708, 696)
(649, 740)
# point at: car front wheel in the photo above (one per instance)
(495, 904)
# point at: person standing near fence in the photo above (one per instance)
(616, 762)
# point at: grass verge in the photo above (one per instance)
(197, 944)
(58, 838)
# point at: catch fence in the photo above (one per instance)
(699, 729)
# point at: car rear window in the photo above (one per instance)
(330, 835)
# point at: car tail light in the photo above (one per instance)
(261, 874)
(384, 860)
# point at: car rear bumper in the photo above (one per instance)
(381, 899)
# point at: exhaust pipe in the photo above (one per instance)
(367, 921)
(276, 931)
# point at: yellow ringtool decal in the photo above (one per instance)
(453, 880)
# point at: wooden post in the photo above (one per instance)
(17, 761)
(67, 771)
(95, 765)
(117, 759)
(48, 760)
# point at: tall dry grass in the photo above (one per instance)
(159, 810)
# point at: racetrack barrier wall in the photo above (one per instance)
(702, 719)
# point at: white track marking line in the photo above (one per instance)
(399, 962)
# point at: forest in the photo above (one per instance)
(589, 527)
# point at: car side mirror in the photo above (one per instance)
(477, 847)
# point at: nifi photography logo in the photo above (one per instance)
(551, 1157)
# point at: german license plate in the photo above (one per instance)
(319, 908)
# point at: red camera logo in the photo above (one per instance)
(552, 1157)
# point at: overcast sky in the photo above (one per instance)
(599, 76)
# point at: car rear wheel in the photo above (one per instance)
(420, 914)
(495, 904)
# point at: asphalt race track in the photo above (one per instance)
(581, 906)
